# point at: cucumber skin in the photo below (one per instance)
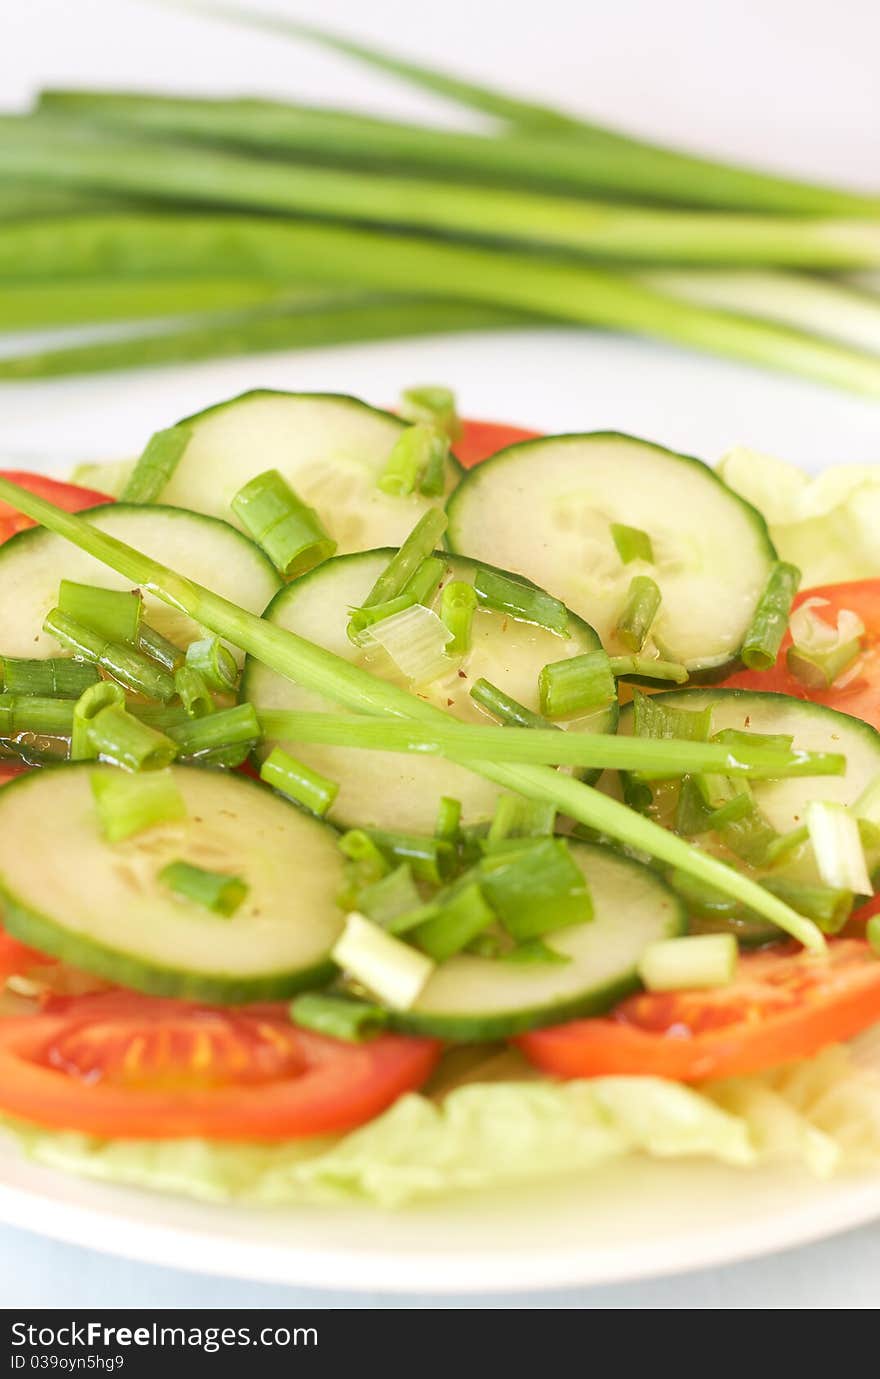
(141, 476)
(700, 675)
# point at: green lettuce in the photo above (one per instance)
(496, 1132)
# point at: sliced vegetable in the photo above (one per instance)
(643, 599)
(133, 670)
(392, 970)
(298, 782)
(213, 890)
(56, 678)
(113, 614)
(214, 662)
(693, 962)
(286, 528)
(128, 804)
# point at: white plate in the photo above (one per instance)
(630, 1220)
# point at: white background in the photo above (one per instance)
(790, 83)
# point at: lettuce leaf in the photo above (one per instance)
(824, 1114)
(826, 526)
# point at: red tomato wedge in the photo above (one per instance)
(68, 496)
(480, 439)
(784, 1005)
(141, 1067)
(861, 696)
(16, 958)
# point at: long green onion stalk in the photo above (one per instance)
(355, 689)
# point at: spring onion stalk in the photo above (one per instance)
(128, 804)
(517, 817)
(159, 648)
(543, 744)
(324, 673)
(770, 619)
(299, 782)
(649, 668)
(434, 406)
(694, 962)
(362, 619)
(631, 165)
(521, 601)
(423, 585)
(112, 613)
(746, 832)
(403, 564)
(727, 799)
(872, 933)
(632, 543)
(818, 670)
(580, 685)
(118, 737)
(193, 691)
(508, 711)
(105, 300)
(691, 814)
(287, 529)
(837, 845)
(536, 888)
(387, 967)
(91, 702)
(389, 897)
(124, 663)
(738, 740)
(214, 662)
(158, 463)
(448, 826)
(58, 677)
(430, 859)
(654, 719)
(417, 460)
(415, 639)
(829, 907)
(227, 728)
(638, 613)
(21, 714)
(216, 891)
(338, 1017)
(458, 921)
(458, 603)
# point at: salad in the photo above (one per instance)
(395, 805)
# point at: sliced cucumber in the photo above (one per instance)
(107, 476)
(100, 907)
(386, 789)
(481, 998)
(545, 508)
(813, 728)
(34, 562)
(330, 448)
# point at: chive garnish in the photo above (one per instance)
(425, 581)
(457, 604)
(159, 648)
(113, 614)
(770, 619)
(298, 781)
(237, 728)
(90, 703)
(457, 923)
(193, 691)
(59, 677)
(287, 529)
(632, 543)
(505, 708)
(339, 1017)
(128, 804)
(130, 667)
(521, 601)
(118, 737)
(577, 686)
(403, 564)
(638, 612)
(214, 662)
(216, 891)
(536, 888)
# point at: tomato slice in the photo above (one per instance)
(68, 496)
(861, 696)
(123, 1065)
(480, 439)
(784, 1005)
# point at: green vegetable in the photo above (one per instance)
(113, 614)
(405, 562)
(389, 897)
(457, 606)
(638, 613)
(214, 662)
(213, 890)
(770, 619)
(55, 678)
(124, 740)
(339, 1017)
(124, 663)
(521, 601)
(298, 782)
(128, 804)
(631, 543)
(818, 670)
(233, 731)
(692, 962)
(457, 922)
(419, 452)
(536, 888)
(448, 820)
(193, 691)
(287, 529)
(158, 648)
(432, 406)
(577, 686)
(516, 817)
(423, 584)
(90, 703)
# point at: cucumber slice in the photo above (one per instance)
(544, 509)
(106, 476)
(388, 789)
(330, 448)
(814, 727)
(33, 563)
(100, 907)
(470, 997)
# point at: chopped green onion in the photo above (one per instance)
(725, 797)
(425, 582)
(431, 859)
(129, 804)
(433, 480)
(649, 668)
(213, 890)
(194, 693)
(391, 969)
(457, 605)
(770, 619)
(457, 923)
(360, 619)
(837, 844)
(118, 737)
(651, 718)
(158, 648)
(236, 728)
(785, 843)
(360, 849)
(524, 602)
(32, 714)
(517, 817)
(92, 700)
(534, 950)
(124, 663)
(156, 465)
(536, 889)
(112, 613)
(448, 826)
(820, 653)
(338, 1017)
(576, 686)
(215, 663)
(828, 906)
(631, 542)
(59, 677)
(691, 814)
(298, 781)
(417, 457)
(638, 613)
(505, 708)
(415, 639)
(403, 564)
(693, 962)
(287, 529)
(818, 670)
(736, 739)
(872, 933)
(389, 897)
(432, 406)
(711, 911)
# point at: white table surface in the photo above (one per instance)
(769, 80)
